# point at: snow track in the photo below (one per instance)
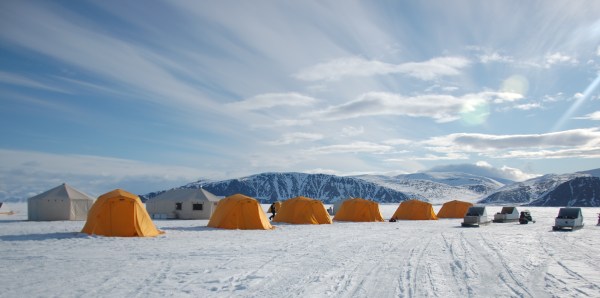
(402, 259)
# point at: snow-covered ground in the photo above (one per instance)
(405, 258)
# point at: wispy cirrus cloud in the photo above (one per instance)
(495, 57)
(580, 143)
(27, 173)
(586, 152)
(77, 43)
(297, 137)
(360, 67)
(473, 142)
(432, 157)
(270, 100)
(442, 108)
(354, 147)
(350, 131)
(559, 58)
(18, 80)
(591, 116)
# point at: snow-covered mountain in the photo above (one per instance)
(580, 192)
(270, 187)
(435, 187)
(438, 187)
(544, 191)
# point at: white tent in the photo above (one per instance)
(183, 203)
(60, 203)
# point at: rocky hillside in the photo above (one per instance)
(270, 187)
(576, 189)
(580, 192)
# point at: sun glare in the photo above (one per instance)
(578, 102)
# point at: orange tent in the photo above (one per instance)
(302, 210)
(119, 213)
(358, 210)
(454, 209)
(414, 210)
(239, 212)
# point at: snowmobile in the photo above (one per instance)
(525, 217)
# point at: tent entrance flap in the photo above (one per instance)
(121, 218)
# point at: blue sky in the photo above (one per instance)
(147, 95)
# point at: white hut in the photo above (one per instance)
(568, 218)
(183, 203)
(475, 217)
(60, 203)
(507, 214)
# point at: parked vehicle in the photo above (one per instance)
(568, 219)
(475, 217)
(525, 217)
(507, 214)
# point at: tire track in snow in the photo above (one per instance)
(149, 284)
(561, 284)
(507, 269)
(459, 265)
(481, 258)
(409, 277)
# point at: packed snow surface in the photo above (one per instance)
(405, 258)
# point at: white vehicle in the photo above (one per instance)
(507, 214)
(475, 217)
(568, 218)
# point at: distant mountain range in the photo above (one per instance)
(439, 187)
(577, 189)
(271, 187)
(433, 187)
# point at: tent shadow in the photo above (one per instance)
(196, 228)
(42, 237)
(12, 220)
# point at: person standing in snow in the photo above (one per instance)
(272, 210)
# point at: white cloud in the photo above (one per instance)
(592, 116)
(579, 143)
(528, 106)
(355, 147)
(447, 156)
(356, 66)
(14, 79)
(434, 68)
(494, 57)
(470, 142)
(559, 58)
(292, 122)
(578, 96)
(483, 168)
(442, 108)
(26, 173)
(297, 137)
(553, 98)
(338, 68)
(350, 131)
(398, 142)
(270, 100)
(450, 88)
(77, 44)
(598, 51)
(584, 152)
